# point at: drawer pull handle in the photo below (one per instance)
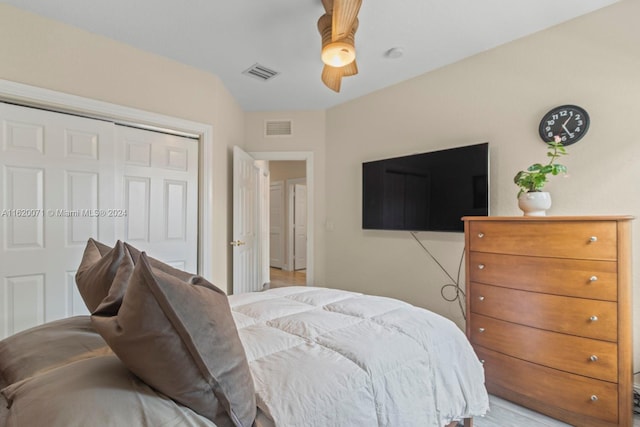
(480, 266)
(481, 330)
(594, 318)
(593, 239)
(593, 358)
(593, 278)
(480, 235)
(594, 398)
(481, 298)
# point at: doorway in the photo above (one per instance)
(287, 223)
(306, 276)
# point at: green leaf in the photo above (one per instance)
(547, 169)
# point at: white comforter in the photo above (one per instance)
(329, 358)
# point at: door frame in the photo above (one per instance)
(61, 102)
(307, 156)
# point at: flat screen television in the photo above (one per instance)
(426, 192)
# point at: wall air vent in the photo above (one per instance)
(260, 72)
(277, 128)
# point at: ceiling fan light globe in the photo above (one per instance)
(338, 54)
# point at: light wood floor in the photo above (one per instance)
(281, 278)
(507, 414)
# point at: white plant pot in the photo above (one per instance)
(535, 203)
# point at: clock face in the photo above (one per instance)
(569, 122)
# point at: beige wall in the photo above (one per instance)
(59, 57)
(287, 169)
(308, 135)
(497, 96)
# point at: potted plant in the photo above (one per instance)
(531, 199)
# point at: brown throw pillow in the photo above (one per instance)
(101, 271)
(180, 338)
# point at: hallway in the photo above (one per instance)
(280, 278)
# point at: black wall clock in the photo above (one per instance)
(569, 122)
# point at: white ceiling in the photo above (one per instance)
(228, 37)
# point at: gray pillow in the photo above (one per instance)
(180, 338)
(103, 274)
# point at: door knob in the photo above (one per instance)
(237, 243)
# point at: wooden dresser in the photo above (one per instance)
(549, 313)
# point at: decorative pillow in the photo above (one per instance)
(103, 274)
(48, 346)
(179, 337)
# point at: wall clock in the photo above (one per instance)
(569, 122)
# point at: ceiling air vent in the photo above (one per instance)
(260, 72)
(277, 128)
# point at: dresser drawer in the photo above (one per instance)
(570, 277)
(582, 356)
(574, 393)
(576, 316)
(564, 239)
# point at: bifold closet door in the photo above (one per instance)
(65, 178)
(158, 175)
(57, 171)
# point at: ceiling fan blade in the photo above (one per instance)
(350, 69)
(332, 77)
(344, 14)
(328, 6)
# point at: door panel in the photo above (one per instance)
(24, 193)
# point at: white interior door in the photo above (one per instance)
(62, 180)
(246, 268)
(276, 228)
(300, 227)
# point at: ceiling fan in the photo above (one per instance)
(338, 28)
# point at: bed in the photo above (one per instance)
(166, 348)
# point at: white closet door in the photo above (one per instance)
(159, 191)
(56, 174)
(64, 179)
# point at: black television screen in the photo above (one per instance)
(426, 192)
